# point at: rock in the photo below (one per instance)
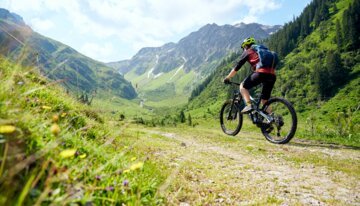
(219, 200)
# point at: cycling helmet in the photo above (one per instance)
(248, 41)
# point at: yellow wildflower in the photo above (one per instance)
(6, 129)
(82, 156)
(55, 129)
(68, 153)
(55, 118)
(126, 171)
(46, 107)
(63, 114)
(133, 159)
(136, 166)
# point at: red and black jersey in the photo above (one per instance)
(252, 57)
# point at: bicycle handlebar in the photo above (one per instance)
(230, 82)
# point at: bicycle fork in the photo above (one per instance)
(229, 116)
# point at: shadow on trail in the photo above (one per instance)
(309, 143)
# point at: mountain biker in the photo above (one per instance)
(266, 76)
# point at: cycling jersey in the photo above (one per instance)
(252, 57)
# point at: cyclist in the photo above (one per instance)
(266, 76)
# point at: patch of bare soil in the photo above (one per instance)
(221, 173)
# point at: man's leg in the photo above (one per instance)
(268, 85)
(251, 81)
(245, 93)
(263, 102)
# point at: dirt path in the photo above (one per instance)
(214, 169)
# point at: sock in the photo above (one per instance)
(248, 103)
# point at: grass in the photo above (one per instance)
(64, 152)
(347, 166)
(55, 150)
(95, 158)
(214, 177)
(148, 88)
(210, 131)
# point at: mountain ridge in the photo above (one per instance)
(190, 60)
(57, 60)
(10, 16)
(258, 30)
(319, 76)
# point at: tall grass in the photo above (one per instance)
(55, 150)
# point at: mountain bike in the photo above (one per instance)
(277, 118)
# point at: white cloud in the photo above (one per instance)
(249, 19)
(97, 51)
(257, 9)
(159, 19)
(41, 24)
(136, 23)
(23, 5)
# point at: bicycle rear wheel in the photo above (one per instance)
(230, 118)
(283, 127)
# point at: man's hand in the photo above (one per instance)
(226, 80)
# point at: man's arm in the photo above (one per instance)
(244, 57)
(231, 74)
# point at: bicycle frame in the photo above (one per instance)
(256, 110)
(267, 117)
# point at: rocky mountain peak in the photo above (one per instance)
(12, 17)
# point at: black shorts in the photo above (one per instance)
(256, 78)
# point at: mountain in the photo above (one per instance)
(319, 72)
(58, 61)
(175, 68)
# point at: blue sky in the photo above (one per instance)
(113, 30)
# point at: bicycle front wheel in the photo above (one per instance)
(282, 128)
(230, 118)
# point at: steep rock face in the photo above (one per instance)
(304, 77)
(58, 61)
(210, 43)
(186, 63)
(11, 17)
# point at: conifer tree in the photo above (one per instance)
(182, 117)
(317, 18)
(321, 79)
(335, 9)
(337, 74)
(324, 10)
(189, 120)
(339, 40)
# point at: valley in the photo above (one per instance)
(145, 131)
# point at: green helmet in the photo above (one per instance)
(248, 41)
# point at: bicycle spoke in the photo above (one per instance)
(231, 122)
(230, 119)
(283, 126)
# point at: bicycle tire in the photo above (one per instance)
(279, 121)
(237, 118)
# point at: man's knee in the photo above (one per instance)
(263, 101)
(242, 86)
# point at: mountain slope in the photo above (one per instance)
(55, 149)
(183, 65)
(322, 83)
(58, 61)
